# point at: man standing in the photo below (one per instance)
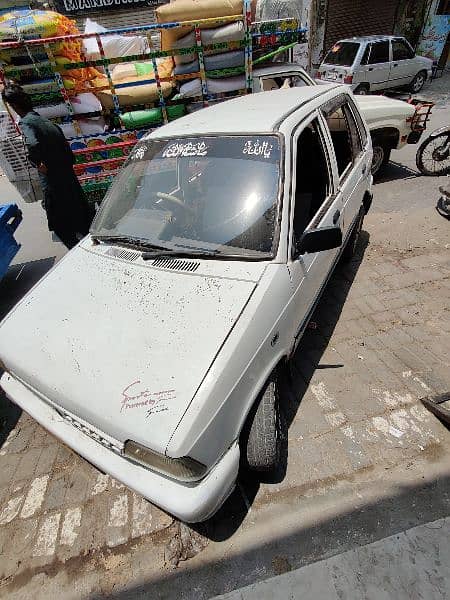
(68, 212)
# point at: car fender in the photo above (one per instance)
(259, 341)
(437, 132)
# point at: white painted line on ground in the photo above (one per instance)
(35, 496)
(11, 510)
(101, 484)
(322, 396)
(47, 534)
(142, 517)
(72, 521)
(118, 515)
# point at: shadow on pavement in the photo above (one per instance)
(298, 375)
(394, 171)
(19, 280)
(366, 522)
(16, 283)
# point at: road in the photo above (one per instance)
(364, 463)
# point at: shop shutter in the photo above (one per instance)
(348, 18)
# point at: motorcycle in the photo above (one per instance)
(433, 155)
(443, 204)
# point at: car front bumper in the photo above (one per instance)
(191, 503)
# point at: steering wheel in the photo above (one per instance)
(175, 200)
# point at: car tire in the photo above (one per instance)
(418, 82)
(262, 435)
(381, 156)
(352, 243)
(362, 90)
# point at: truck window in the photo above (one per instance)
(281, 81)
(379, 53)
(312, 178)
(344, 135)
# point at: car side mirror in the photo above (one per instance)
(318, 240)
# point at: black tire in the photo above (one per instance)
(418, 82)
(362, 90)
(443, 207)
(262, 440)
(352, 243)
(381, 155)
(442, 164)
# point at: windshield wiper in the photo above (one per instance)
(180, 254)
(128, 241)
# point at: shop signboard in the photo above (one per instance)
(72, 7)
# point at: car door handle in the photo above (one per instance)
(336, 216)
(370, 69)
(395, 65)
(364, 169)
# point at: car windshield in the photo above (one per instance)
(342, 54)
(202, 194)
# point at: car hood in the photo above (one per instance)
(374, 108)
(123, 346)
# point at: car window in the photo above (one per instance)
(401, 51)
(361, 128)
(313, 181)
(282, 82)
(379, 53)
(342, 54)
(344, 135)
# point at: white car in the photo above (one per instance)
(374, 63)
(154, 347)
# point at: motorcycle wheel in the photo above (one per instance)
(433, 155)
(443, 207)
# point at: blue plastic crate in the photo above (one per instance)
(10, 217)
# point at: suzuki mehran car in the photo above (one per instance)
(154, 348)
(375, 63)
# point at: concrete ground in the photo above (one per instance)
(363, 491)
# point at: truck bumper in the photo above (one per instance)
(188, 502)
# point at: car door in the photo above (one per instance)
(376, 65)
(403, 64)
(351, 150)
(314, 204)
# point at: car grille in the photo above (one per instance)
(89, 431)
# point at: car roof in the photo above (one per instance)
(253, 113)
(370, 38)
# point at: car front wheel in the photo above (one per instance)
(261, 440)
(418, 82)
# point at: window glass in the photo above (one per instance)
(401, 51)
(379, 53)
(312, 178)
(282, 82)
(215, 194)
(365, 58)
(342, 54)
(344, 135)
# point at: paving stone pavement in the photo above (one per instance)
(378, 342)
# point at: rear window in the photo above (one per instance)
(342, 54)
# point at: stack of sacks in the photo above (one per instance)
(82, 103)
(114, 46)
(138, 94)
(32, 24)
(183, 38)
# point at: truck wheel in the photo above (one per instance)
(381, 156)
(418, 82)
(362, 89)
(261, 435)
(350, 247)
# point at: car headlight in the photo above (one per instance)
(184, 469)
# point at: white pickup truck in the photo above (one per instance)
(390, 121)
